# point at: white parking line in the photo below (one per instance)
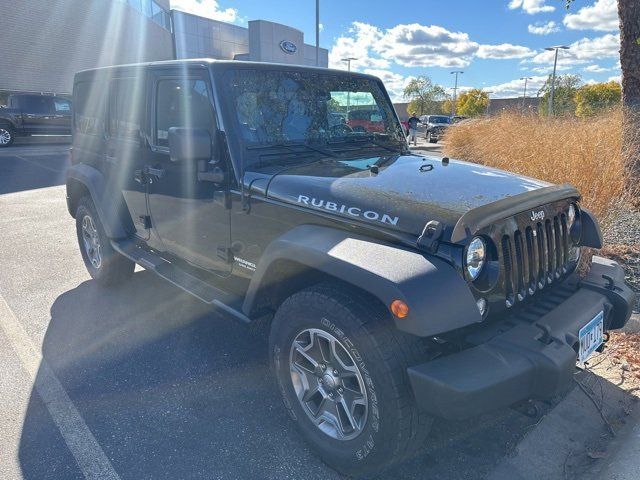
(90, 457)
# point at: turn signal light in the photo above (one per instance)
(399, 308)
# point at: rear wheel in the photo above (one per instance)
(7, 136)
(103, 263)
(341, 370)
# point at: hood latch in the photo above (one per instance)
(430, 237)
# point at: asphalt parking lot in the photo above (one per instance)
(142, 381)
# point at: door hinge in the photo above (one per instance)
(145, 220)
(226, 254)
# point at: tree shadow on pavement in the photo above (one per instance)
(171, 389)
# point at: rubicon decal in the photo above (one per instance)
(347, 210)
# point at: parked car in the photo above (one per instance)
(363, 121)
(396, 287)
(30, 114)
(434, 126)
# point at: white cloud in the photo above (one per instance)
(585, 50)
(505, 50)
(596, 69)
(515, 88)
(357, 43)
(394, 82)
(615, 78)
(206, 8)
(531, 6)
(409, 45)
(544, 69)
(602, 15)
(544, 28)
(415, 45)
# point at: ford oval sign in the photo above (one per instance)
(288, 47)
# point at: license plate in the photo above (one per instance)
(591, 337)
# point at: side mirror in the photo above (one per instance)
(189, 144)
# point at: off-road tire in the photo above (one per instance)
(113, 268)
(394, 428)
(6, 131)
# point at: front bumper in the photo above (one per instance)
(524, 356)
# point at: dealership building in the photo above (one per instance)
(51, 40)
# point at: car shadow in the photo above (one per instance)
(171, 389)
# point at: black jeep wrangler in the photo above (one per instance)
(397, 287)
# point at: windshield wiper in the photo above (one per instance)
(291, 146)
(360, 139)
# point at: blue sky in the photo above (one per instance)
(495, 42)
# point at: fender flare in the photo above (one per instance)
(438, 297)
(108, 210)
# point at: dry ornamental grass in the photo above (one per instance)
(582, 152)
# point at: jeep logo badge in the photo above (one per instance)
(537, 215)
(288, 47)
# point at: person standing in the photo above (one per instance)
(413, 129)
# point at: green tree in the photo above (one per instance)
(447, 106)
(566, 88)
(424, 96)
(592, 99)
(472, 103)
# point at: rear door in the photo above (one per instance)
(61, 123)
(189, 216)
(125, 145)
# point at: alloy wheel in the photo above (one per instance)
(5, 136)
(91, 241)
(328, 384)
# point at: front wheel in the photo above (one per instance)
(7, 136)
(341, 368)
(104, 264)
(432, 139)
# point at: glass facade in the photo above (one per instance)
(152, 10)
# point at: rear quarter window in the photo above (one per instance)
(90, 100)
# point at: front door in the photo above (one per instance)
(38, 115)
(189, 216)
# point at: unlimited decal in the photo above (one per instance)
(347, 210)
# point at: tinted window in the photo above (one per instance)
(90, 104)
(181, 103)
(37, 104)
(439, 119)
(126, 107)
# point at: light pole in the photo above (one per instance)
(553, 77)
(348, 60)
(488, 101)
(524, 95)
(455, 91)
(317, 33)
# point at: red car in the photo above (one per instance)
(366, 121)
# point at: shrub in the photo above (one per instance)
(584, 152)
(597, 98)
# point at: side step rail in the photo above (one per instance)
(202, 290)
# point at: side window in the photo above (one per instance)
(61, 105)
(181, 103)
(126, 107)
(36, 104)
(90, 105)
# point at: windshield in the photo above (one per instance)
(439, 119)
(273, 107)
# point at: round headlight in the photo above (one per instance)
(571, 216)
(476, 254)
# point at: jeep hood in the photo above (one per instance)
(406, 192)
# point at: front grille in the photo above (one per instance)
(533, 257)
